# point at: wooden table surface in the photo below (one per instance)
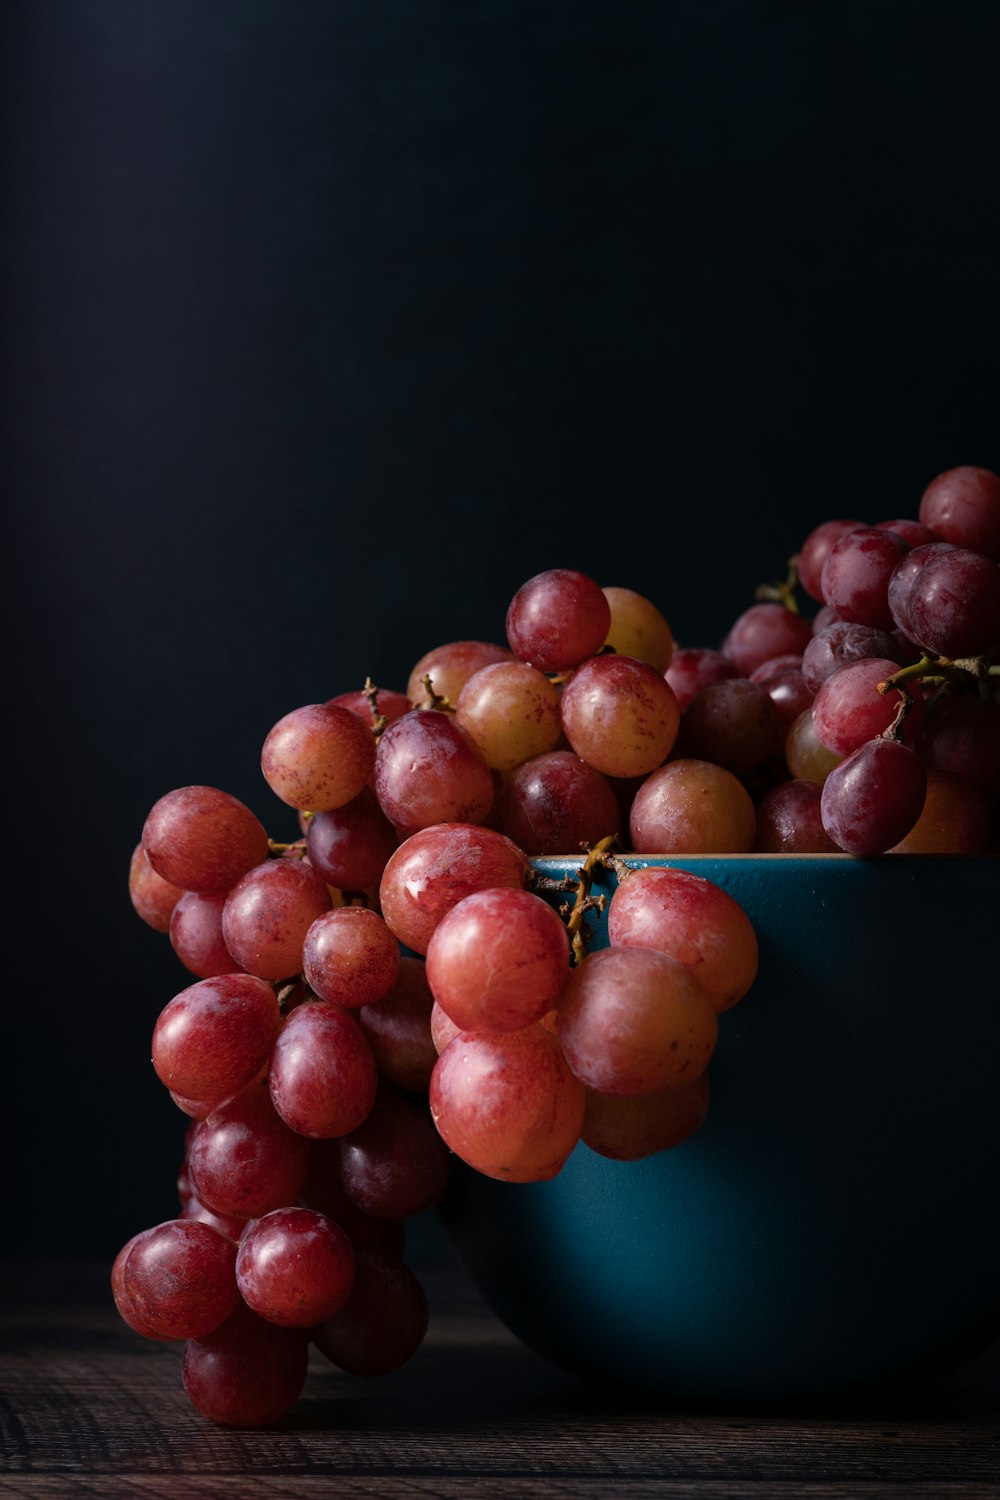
(89, 1409)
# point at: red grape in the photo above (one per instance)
(691, 806)
(507, 1104)
(383, 1322)
(557, 620)
(322, 1191)
(498, 960)
(129, 1309)
(196, 934)
(350, 956)
(848, 710)
(244, 1160)
(856, 573)
(179, 1279)
(388, 704)
(322, 1078)
(449, 667)
(732, 724)
(762, 631)
(398, 1028)
(432, 870)
(627, 1129)
(295, 1267)
(634, 1021)
(248, 1373)
(841, 643)
(693, 920)
(395, 1164)
(620, 715)
(152, 897)
(814, 551)
(213, 1038)
(268, 913)
(693, 668)
(428, 770)
(318, 757)
(790, 821)
(349, 846)
(510, 711)
(953, 605)
(202, 839)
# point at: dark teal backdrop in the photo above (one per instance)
(328, 324)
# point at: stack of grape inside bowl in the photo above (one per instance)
(706, 1101)
(832, 1224)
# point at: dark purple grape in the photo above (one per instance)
(961, 734)
(963, 506)
(823, 618)
(790, 695)
(790, 821)
(350, 846)
(841, 643)
(954, 604)
(556, 803)
(762, 631)
(872, 799)
(855, 577)
(383, 1322)
(248, 1373)
(732, 724)
(693, 668)
(904, 576)
(913, 532)
(815, 550)
(395, 1164)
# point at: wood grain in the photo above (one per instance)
(88, 1409)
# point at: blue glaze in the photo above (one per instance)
(834, 1222)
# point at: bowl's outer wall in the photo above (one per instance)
(834, 1221)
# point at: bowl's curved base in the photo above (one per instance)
(833, 1225)
(845, 1343)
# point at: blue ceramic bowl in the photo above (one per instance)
(833, 1225)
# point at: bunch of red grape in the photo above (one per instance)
(400, 986)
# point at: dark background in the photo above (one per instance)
(326, 325)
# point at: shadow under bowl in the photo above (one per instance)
(833, 1224)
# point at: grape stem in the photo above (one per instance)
(585, 901)
(297, 850)
(782, 593)
(435, 700)
(379, 720)
(894, 731)
(286, 990)
(963, 669)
